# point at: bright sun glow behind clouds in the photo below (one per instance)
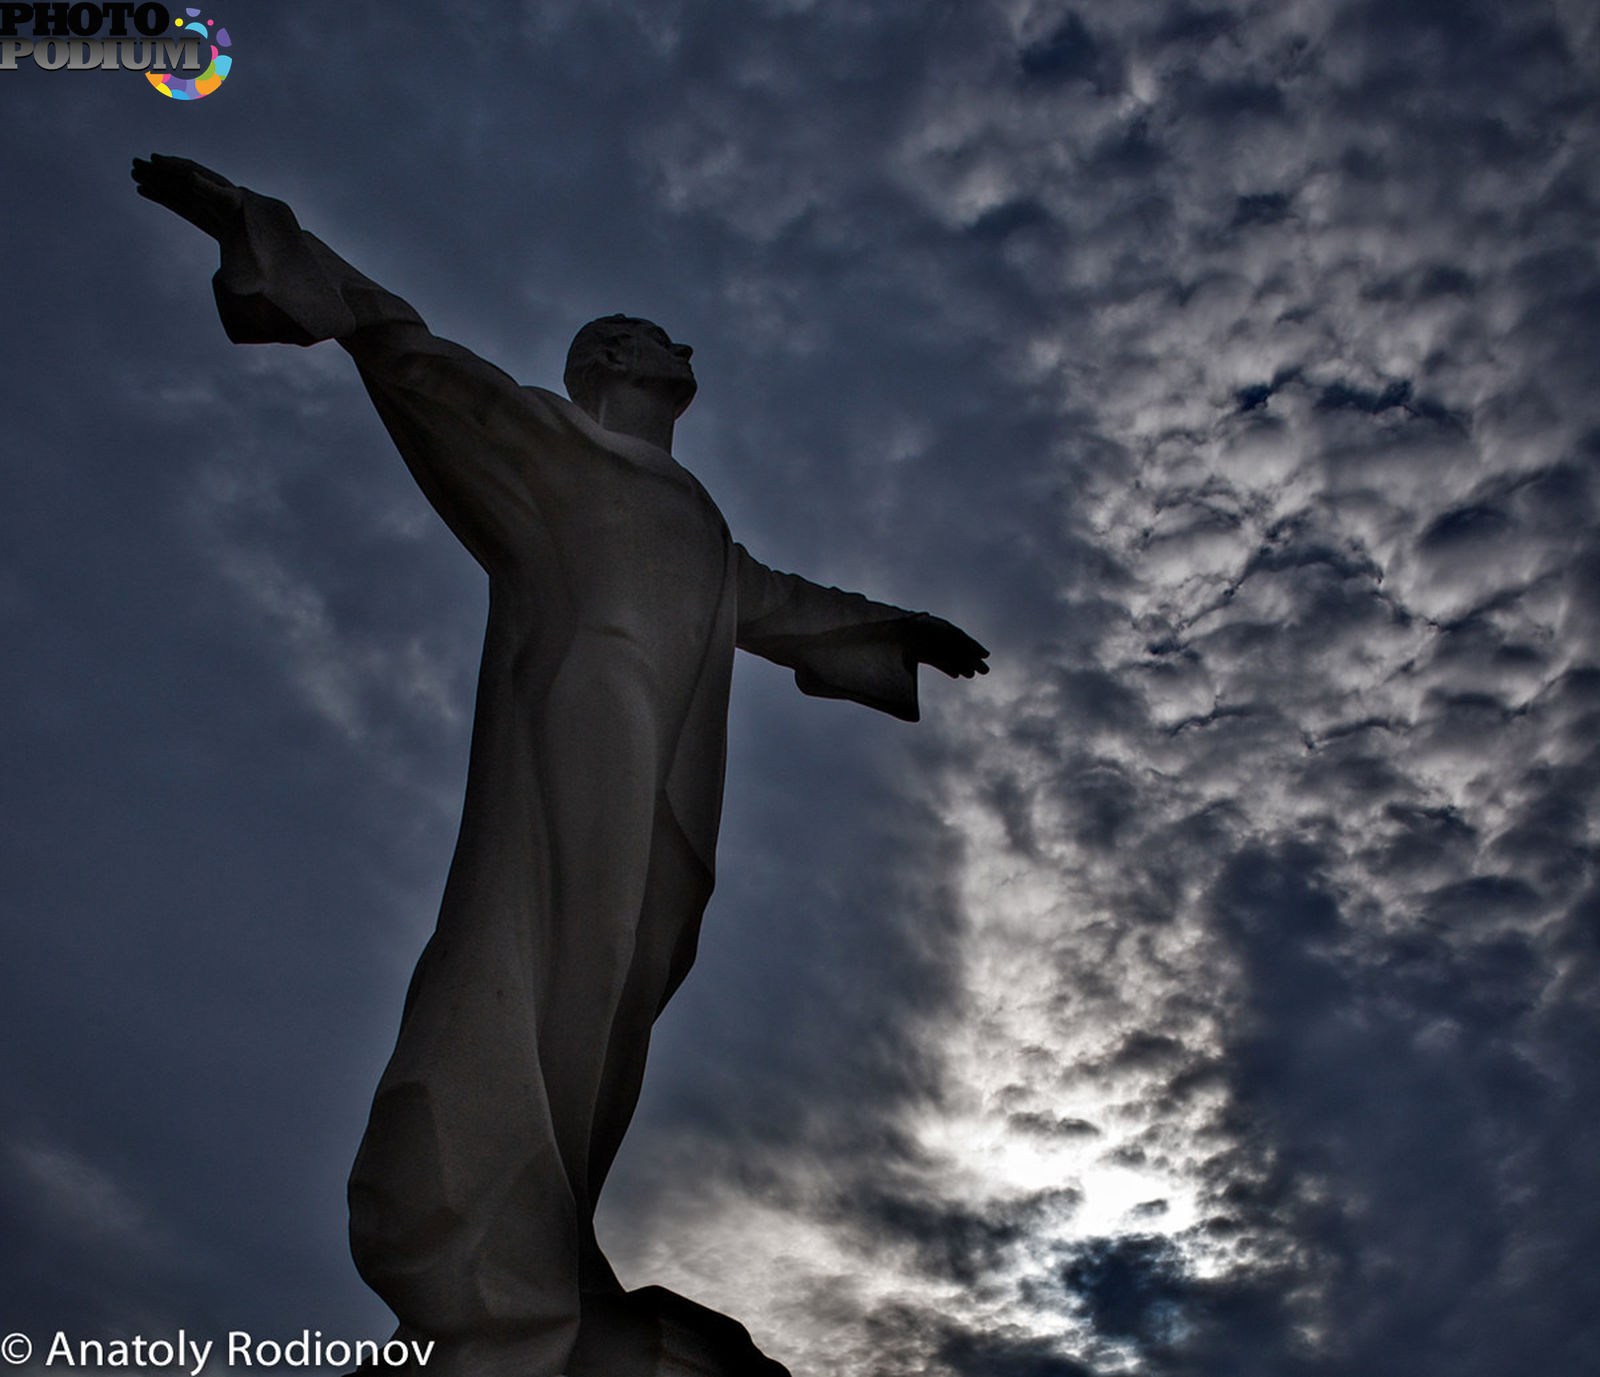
(1054, 1130)
(1048, 1073)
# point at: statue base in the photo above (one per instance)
(653, 1332)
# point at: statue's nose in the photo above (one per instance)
(683, 351)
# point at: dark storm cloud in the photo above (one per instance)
(985, 1354)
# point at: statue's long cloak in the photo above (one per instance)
(585, 857)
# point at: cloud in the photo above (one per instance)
(1210, 989)
(85, 1224)
(83, 1198)
(1293, 746)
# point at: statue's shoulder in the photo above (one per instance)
(554, 401)
(556, 413)
(553, 407)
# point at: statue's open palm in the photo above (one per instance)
(206, 199)
(934, 641)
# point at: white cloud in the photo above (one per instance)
(86, 1201)
(1280, 336)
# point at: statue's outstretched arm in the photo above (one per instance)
(277, 283)
(843, 645)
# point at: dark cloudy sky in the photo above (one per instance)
(1211, 990)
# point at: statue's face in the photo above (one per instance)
(659, 363)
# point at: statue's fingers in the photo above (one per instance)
(175, 170)
(188, 169)
(163, 192)
(972, 659)
(152, 172)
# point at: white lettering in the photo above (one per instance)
(190, 1356)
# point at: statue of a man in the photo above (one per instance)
(584, 862)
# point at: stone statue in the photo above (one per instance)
(584, 862)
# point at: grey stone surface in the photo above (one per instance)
(588, 833)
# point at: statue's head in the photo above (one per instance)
(629, 349)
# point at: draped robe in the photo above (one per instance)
(585, 857)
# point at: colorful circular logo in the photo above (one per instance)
(216, 72)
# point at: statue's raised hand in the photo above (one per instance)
(206, 199)
(934, 641)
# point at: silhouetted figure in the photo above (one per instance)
(573, 904)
